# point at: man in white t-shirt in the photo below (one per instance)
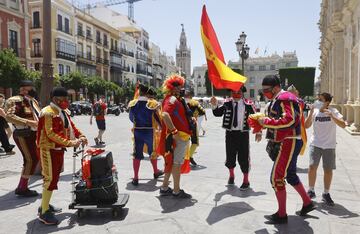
(323, 142)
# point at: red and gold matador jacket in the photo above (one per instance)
(52, 133)
(284, 118)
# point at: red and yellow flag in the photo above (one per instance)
(137, 90)
(220, 75)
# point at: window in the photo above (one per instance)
(262, 68)
(67, 26)
(288, 65)
(252, 80)
(36, 19)
(88, 32)
(252, 68)
(65, 49)
(60, 22)
(13, 39)
(68, 69)
(61, 69)
(98, 37)
(105, 40)
(272, 67)
(37, 46)
(88, 52)
(80, 30)
(252, 93)
(80, 49)
(37, 66)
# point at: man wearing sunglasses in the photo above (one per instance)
(283, 125)
(236, 111)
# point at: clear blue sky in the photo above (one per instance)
(279, 25)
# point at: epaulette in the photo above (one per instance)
(287, 96)
(193, 102)
(48, 111)
(248, 101)
(132, 103)
(17, 98)
(152, 104)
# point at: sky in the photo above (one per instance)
(278, 25)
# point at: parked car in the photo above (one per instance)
(80, 108)
(114, 109)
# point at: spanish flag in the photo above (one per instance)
(137, 90)
(220, 75)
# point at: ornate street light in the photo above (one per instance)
(243, 50)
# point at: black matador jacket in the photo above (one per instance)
(227, 110)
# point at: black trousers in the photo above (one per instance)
(237, 146)
(3, 137)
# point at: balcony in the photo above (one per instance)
(106, 44)
(106, 61)
(126, 52)
(99, 60)
(67, 31)
(65, 55)
(65, 49)
(35, 26)
(86, 58)
(141, 57)
(80, 33)
(98, 41)
(36, 53)
(89, 36)
(115, 50)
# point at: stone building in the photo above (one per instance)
(340, 57)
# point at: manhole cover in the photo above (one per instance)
(4, 174)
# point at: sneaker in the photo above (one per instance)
(276, 219)
(181, 195)
(158, 174)
(231, 181)
(48, 218)
(52, 209)
(192, 161)
(204, 133)
(327, 199)
(26, 193)
(166, 192)
(135, 182)
(311, 194)
(96, 141)
(306, 209)
(244, 186)
(102, 142)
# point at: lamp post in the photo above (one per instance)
(243, 50)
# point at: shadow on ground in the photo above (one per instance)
(296, 224)
(149, 186)
(236, 192)
(90, 217)
(170, 204)
(337, 210)
(227, 210)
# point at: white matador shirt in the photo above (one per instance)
(324, 129)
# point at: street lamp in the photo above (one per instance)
(243, 50)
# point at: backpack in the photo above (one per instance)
(97, 109)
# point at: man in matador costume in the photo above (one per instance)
(284, 128)
(56, 132)
(145, 117)
(175, 136)
(197, 110)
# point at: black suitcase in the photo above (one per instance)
(82, 194)
(105, 190)
(101, 165)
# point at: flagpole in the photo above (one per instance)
(212, 90)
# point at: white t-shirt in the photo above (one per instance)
(324, 129)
